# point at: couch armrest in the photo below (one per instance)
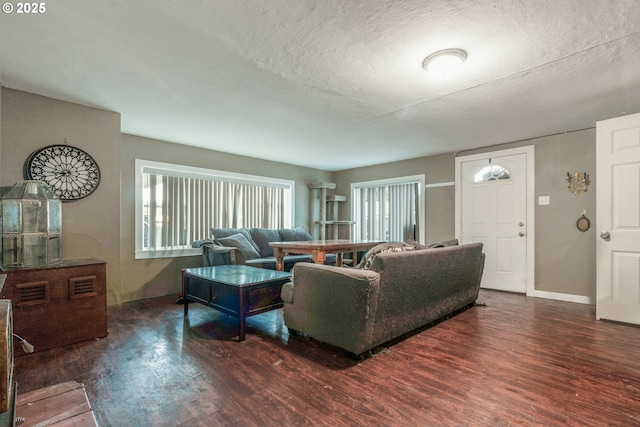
(213, 254)
(333, 304)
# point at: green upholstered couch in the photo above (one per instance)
(359, 309)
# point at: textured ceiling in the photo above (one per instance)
(332, 84)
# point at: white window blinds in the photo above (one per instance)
(178, 206)
(387, 211)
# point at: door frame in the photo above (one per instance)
(529, 152)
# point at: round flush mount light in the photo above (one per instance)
(444, 63)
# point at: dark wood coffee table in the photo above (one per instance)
(236, 290)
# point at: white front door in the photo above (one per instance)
(492, 202)
(618, 219)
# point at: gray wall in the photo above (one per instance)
(439, 202)
(90, 226)
(153, 277)
(564, 256)
(102, 225)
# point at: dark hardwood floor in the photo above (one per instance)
(515, 361)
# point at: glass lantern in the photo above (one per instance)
(31, 225)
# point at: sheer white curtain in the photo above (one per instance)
(387, 212)
(179, 210)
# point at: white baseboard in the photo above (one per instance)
(580, 299)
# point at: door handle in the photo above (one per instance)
(605, 235)
(521, 234)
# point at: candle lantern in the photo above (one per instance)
(31, 223)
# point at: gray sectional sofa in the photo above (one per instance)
(250, 246)
(394, 290)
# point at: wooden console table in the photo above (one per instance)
(319, 249)
(59, 304)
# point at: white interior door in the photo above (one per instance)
(493, 210)
(618, 219)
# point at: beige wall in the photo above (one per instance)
(148, 278)
(564, 256)
(90, 226)
(102, 225)
(439, 201)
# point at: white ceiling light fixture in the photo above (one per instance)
(445, 63)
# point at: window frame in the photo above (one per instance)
(149, 166)
(411, 179)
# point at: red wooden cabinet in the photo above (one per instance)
(56, 305)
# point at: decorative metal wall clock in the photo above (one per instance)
(71, 173)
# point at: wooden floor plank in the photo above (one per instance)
(63, 404)
(513, 361)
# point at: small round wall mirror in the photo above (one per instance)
(583, 223)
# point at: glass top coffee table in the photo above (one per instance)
(236, 290)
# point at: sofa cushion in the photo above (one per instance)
(416, 245)
(218, 233)
(240, 241)
(262, 237)
(298, 234)
(286, 292)
(270, 262)
(367, 259)
(445, 244)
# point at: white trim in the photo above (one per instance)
(419, 179)
(440, 184)
(173, 253)
(149, 166)
(390, 181)
(580, 299)
(529, 152)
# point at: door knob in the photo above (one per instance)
(605, 235)
(521, 234)
(521, 224)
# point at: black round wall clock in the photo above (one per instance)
(71, 173)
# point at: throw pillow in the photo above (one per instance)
(416, 245)
(262, 237)
(219, 233)
(298, 234)
(240, 242)
(367, 259)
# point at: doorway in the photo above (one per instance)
(495, 206)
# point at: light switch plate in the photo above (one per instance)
(544, 200)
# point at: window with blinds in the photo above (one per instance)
(176, 205)
(389, 210)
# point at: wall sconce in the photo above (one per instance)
(577, 183)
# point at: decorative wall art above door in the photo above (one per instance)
(71, 173)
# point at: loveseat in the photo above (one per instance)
(390, 293)
(250, 246)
